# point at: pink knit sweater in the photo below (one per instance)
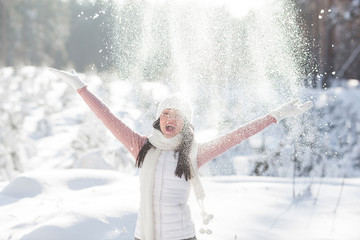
(134, 141)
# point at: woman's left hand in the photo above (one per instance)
(291, 109)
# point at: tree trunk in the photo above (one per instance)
(3, 32)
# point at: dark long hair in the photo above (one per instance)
(183, 164)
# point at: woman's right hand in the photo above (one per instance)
(70, 77)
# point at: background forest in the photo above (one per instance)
(79, 33)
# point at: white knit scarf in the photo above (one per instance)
(147, 177)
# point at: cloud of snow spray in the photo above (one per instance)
(236, 59)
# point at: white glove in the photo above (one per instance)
(290, 109)
(70, 77)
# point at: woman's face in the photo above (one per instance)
(171, 122)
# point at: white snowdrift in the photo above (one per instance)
(102, 204)
(69, 204)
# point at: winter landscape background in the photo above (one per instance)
(64, 176)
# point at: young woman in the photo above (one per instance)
(170, 158)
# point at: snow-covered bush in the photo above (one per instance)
(323, 142)
(29, 97)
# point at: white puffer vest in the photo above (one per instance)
(172, 218)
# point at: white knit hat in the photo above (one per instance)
(178, 101)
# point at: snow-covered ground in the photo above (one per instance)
(102, 204)
(63, 176)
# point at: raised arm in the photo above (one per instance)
(209, 150)
(130, 139)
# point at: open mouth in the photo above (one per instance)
(170, 128)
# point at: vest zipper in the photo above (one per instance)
(161, 193)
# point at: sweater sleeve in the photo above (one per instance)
(130, 139)
(209, 150)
